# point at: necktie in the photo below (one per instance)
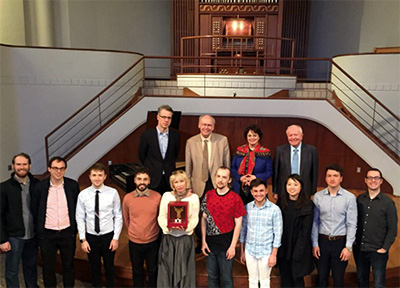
(204, 166)
(96, 213)
(295, 162)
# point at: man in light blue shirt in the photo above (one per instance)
(260, 236)
(334, 228)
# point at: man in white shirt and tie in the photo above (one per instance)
(99, 220)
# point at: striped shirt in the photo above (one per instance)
(261, 229)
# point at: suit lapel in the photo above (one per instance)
(288, 161)
(155, 139)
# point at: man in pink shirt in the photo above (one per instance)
(140, 211)
(53, 207)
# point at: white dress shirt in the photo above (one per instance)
(109, 211)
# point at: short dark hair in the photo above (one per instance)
(374, 169)
(23, 155)
(257, 182)
(57, 159)
(142, 170)
(335, 167)
(98, 167)
(165, 107)
(255, 129)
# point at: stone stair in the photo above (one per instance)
(161, 87)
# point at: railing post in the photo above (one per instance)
(98, 100)
(373, 117)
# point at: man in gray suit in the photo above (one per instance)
(199, 168)
(295, 157)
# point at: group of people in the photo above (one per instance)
(226, 202)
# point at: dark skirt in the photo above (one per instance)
(176, 262)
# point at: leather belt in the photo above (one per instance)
(333, 238)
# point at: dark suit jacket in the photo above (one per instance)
(308, 168)
(151, 158)
(39, 203)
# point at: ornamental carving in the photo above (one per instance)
(239, 8)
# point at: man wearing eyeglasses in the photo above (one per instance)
(53, 207)
(377, 230)
(159, 149)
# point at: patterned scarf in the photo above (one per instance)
(249, 157)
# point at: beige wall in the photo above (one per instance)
(12, 23)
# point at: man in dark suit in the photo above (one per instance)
(295, 157)
(159, 149)
(53, 207)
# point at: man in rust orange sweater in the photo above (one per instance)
(140, 211)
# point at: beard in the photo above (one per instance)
(142, 187)
(21, 173)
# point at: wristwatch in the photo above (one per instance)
(350, 249)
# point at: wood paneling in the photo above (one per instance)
(330, 148)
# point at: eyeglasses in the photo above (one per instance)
(376, 178)
(165, 117)
(61, 169)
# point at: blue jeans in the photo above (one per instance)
(366, 260)
(27, 251)
(219, 269)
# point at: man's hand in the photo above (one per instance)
(113, 245)
(316, 252)
(5, 247)
(243, 258)
(272, 260)
(345, 254)
(276, 197)
(381, 251)
(230, 253)
(204, 249)
(85, 246)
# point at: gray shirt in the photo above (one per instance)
(26, 211)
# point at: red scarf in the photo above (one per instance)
(249, 157)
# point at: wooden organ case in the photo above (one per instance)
(261, 19)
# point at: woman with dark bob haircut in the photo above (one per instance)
(250, 161)
(295, 254)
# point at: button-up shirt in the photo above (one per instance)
(377, 222)
(26, 209)
(57, 215)
(261, 229)
(163, 141)
(110, 214)
(292, 148)
(334, 215)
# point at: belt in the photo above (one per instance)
(333, 238)
(56, 231)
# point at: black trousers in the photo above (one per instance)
(99, 248)
(144, 252)
(330, 259)
(53, 241)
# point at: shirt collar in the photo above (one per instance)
(202, 138)
(340, 192)
(62, 184)
(145, 193)
(99, 189)
(298, 147)
(160, 133)
(266, 204)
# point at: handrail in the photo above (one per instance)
(76, 131)
(119, 92)
(365, 90)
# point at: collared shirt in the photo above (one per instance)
(377, 222)
(261, 229)
(334, 215)
(26, 210)
(110, 213)
(163, 141)
(145, 193)
(292, 148)
(209, 147)
(57, 215)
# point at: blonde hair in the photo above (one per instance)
(178, 174)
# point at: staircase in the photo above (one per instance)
(161, 87)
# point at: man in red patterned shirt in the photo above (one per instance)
(222, 211)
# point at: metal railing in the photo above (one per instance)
(95, 114)
(375, 117)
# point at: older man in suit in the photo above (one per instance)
(158, 150)
(295, 157)
(205, 153)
